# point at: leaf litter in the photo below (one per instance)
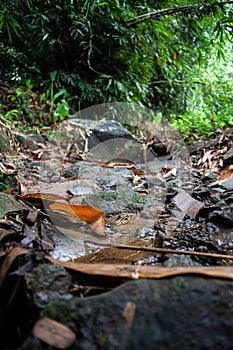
(26, 227)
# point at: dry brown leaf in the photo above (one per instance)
(130, 272)
(122, 272)
(91, 215)
(226, 175)
(187, 204)
(137, 172)
(9, 259)
(9, 191)
(42, 196)
(129, 313)
(53, 333)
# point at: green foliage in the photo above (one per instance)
(209, 98)
(95, 56)
(3, 185)
(71, 54)
(199, 123)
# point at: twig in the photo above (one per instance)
(172, 10)
(162, 250)
(176, 81)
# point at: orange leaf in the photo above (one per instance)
(42, 196)
(91, 215)
(9, 191)
(226, 175)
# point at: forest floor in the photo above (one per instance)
(90, 206)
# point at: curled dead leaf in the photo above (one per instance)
(54, 333)
(91, 215)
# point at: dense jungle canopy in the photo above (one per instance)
(172, 56)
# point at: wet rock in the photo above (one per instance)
(223, 217)
(102, 130)
(229, 200)
(81, 188)
(29, 141)
(109, 140)
(227, 196)
(207, 210)
(228, 157)
(46, 283)
(105, 178)
(216, 188)
(171, 192)
(228, 184)
(143, 232)
(201, 193)
(160, 148)
(180, 260)
(175, 183)
(8, 204)
(212, 228)
(116, 202)
(209, 176)
(176, 313)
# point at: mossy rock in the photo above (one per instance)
(174, 313)
(117, 201)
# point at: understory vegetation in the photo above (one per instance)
(174, 57)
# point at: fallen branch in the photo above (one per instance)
(164, 250)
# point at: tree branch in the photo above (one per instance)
(172, 10)
(174, 81)
(89, 54)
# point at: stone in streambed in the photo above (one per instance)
(105, 178)
(222, 217)
(101, 130)
(116, 202)
(8, 204)
(174, 313)
(46, 283)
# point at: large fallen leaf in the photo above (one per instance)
(187, 204)
(131, 272)
(124, 272)
(42, 196)
(91, 215)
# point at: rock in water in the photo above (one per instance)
(175, 313)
